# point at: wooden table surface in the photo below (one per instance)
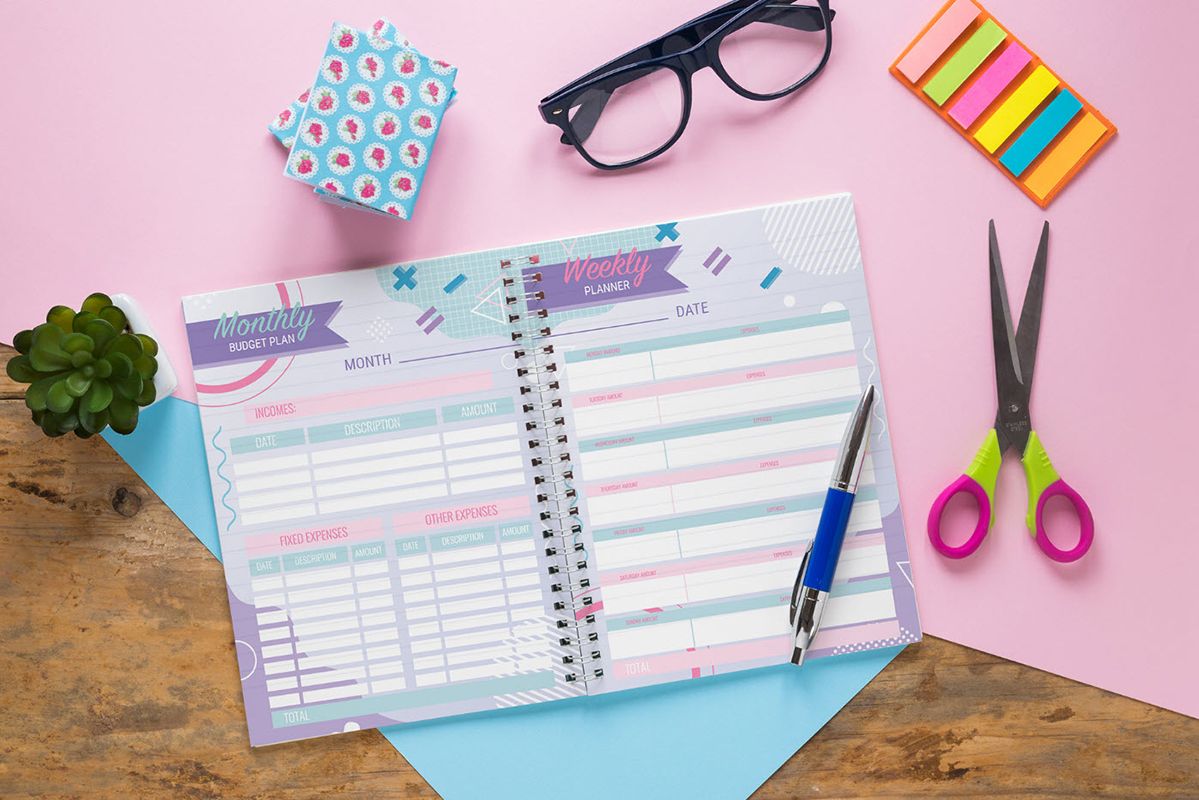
(118, 678)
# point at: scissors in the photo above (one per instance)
(1015, 356)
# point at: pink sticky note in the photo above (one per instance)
(989, 85)
(937, 39)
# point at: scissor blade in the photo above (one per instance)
(1029, 327)
(1011, 419)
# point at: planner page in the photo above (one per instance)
(366, 449)
(707, 392)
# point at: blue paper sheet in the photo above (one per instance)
(714, 738)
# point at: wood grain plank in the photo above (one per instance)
(119, 677)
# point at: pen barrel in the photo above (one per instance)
(826, 547)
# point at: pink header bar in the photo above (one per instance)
(725, 470)
(937, 39)
(990, 85)
(337, 402)
(334, 533)
(462, 516)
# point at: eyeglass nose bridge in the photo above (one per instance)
(693, 61)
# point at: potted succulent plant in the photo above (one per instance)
(91, 369)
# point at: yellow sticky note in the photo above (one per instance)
(1015, 109)
(1062, 158)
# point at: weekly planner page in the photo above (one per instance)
(706, 393)
(365, 444)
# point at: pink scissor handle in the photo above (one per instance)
(963, 484)
(1086, 523)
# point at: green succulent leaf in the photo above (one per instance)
(62, 317)
(130, 387)
(38, 393)
(58, 399)
(77, 343)
(81, 320)
(49, 423)
(46, 353)
(114, 317)
(21, 370)
(23, 341)
(68, 422)
(145, 366)
(77, 384)
(148, 395)
(126, 343)
(92, 422)
(83, 433)
(122, 365)
(101, 332)
(81, 358)
(123, 415)
(103, 368)
(95, 302)
(98, 397)
(149, 345)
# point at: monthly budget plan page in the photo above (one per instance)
(364, 442)
(706, 414)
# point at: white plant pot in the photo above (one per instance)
(165, 380)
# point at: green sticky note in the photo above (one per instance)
(961, 65)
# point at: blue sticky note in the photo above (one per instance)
(1040, 132)
(716, 737)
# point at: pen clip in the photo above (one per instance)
(803, 571)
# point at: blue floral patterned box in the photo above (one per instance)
(366, 130)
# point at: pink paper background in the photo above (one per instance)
(135, 158)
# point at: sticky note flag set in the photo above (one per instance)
(363, 134)
(1003, 99)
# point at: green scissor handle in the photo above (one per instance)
(1043, 483)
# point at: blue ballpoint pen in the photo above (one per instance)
(815, 577)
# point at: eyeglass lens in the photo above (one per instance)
(634, 113)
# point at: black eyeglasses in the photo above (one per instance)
(635, 107)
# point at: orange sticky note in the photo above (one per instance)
(1065, 155)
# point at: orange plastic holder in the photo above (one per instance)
(1002, 98)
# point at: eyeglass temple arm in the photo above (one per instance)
(592, 103)
(696, 30)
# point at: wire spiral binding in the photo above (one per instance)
(551, 460)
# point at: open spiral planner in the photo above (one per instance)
(534, 473)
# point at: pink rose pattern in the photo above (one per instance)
(377, 156)
(350, 129)
(363, 149)
(334, 69)
(413, 153)
(397, 94)
(387, 125)
(367, 189)
(370, 66)
(341, 160)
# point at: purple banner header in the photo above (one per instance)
(589, 281)
(266, 334)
